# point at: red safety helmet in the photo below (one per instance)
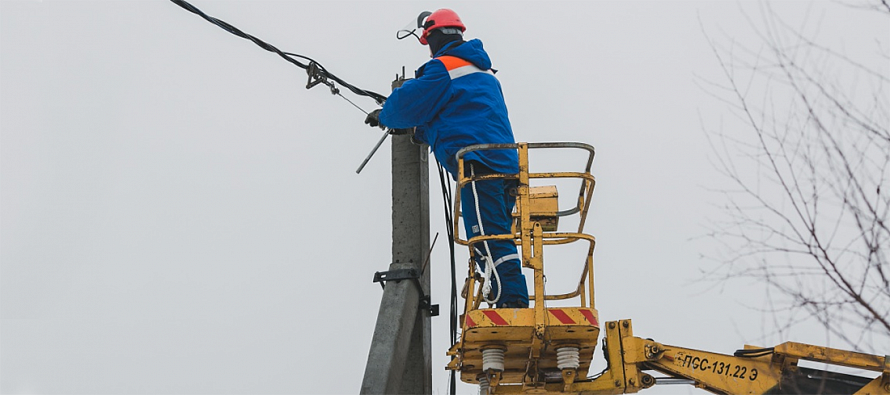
(440, 18)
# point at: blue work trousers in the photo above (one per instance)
(495, 205)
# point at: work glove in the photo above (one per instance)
(373, 119)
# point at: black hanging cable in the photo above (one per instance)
(754, 353)
(290, 57)
(449, 225)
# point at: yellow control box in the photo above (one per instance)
(544, 205)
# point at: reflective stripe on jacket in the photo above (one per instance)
(458, 67)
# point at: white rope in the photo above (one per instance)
(489, 262)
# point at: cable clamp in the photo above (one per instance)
(318, 76)
(408, 274)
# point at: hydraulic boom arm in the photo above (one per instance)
(750, 371)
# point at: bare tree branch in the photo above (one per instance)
(808, 212)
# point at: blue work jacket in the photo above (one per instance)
(455, 101)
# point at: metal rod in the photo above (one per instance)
(673, 381)
(428, 254)
(373, 151)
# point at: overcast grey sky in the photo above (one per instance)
(178, 215)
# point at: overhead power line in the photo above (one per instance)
(318, 71)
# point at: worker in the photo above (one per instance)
(455, 101)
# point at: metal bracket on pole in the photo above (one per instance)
(407, 274)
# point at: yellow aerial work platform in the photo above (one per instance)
(547, 350)
(538, 339)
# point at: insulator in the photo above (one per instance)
(493, 358)
(484, 386)
(568, 358)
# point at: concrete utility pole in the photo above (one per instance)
(399, 361)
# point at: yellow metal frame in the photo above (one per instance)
(529, 337)
(532, 254)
